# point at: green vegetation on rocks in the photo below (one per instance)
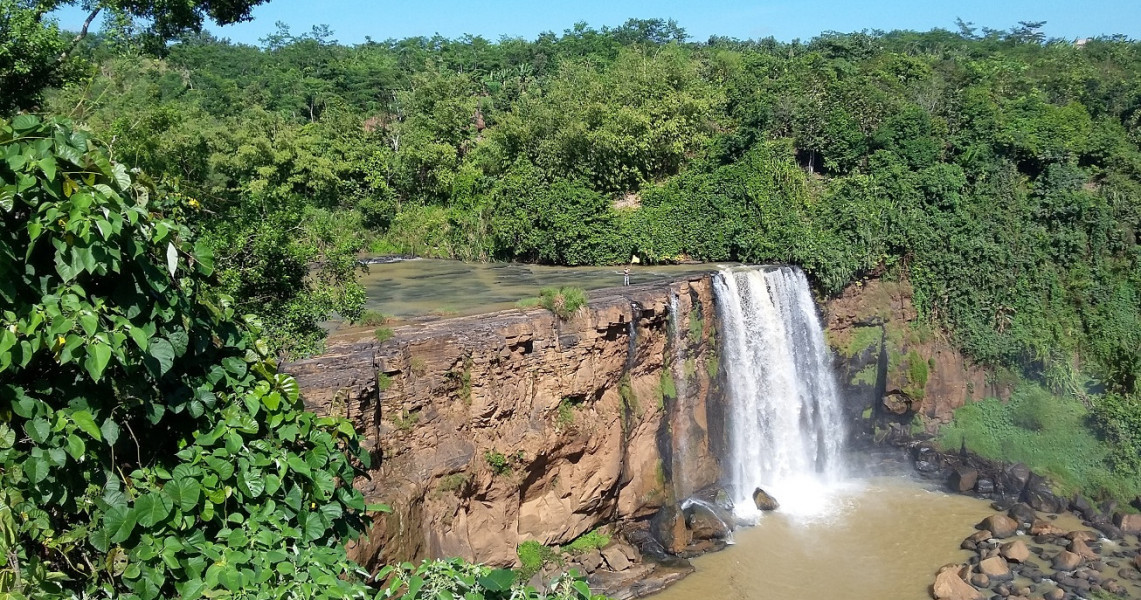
(564, 301)
(1050, 435)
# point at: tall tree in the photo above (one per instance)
(34, 53)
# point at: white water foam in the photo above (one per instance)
(786, 426)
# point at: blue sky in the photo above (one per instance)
(353, 21)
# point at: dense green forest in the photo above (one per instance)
(998, 171)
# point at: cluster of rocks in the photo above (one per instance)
(1024, 554)
(648, 555)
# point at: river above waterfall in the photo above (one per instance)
(880, 538)
(407, 289)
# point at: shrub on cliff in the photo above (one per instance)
(148, 447)
(564, 301)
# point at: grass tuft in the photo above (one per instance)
(564, 301)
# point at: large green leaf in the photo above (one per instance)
(152, 509)
(183, 493)
(163, 353)
(98, 355)
(25, 122)
(86, 423)
(38, 430)
(119, 522)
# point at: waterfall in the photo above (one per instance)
(785, 424)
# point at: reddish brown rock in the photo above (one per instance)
(1078, 546)
(1084, 535)
(1128, 523)
(1045, 528)
(443, 400)
(949, 585)
(1067, 561)
(995, 567)
(1000, 526)
(1015, 551)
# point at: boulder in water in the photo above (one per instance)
(764, 501)
(1015, 551)
(1023, 514)
(995, 567)
(949, 585)
(1129, 523)
(1067, 561)
(1041, 527)
(1081, 548)
(715, 496)
(1001, 526)
(963, 479)
(705, 523)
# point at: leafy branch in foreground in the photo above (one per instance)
(457, 579)
(148, 447)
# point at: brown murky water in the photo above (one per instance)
(881, 539)
(422, 287)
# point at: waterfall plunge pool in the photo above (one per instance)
(881, 538)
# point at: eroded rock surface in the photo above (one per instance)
(496, 429)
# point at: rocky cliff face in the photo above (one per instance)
(898, 375)
(497, 429)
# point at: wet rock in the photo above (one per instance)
(702, 547)
(1023, 514)
(715, 496)
(636, 581)
(1083, 535)
(646, 544)
(1013, 479)
(764, 501)
(1082, 506)
(1066, 561)
(668, 527)
(949, 585)
(1039, 496)
(705, 524)
(995, 567)
(927, 459)
(973, 541)
(984, 486)
(1109, 530)
(1054, 594)
(1078, 546)
(980, 580)
(1000, 526)
(963, 479)
(1128, 523)
(1015, 551)
(1045, 528)
(1114, 587)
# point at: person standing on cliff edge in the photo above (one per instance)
(626, 275)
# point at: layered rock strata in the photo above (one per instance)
(492, 430)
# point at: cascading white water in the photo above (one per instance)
(786, 429)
